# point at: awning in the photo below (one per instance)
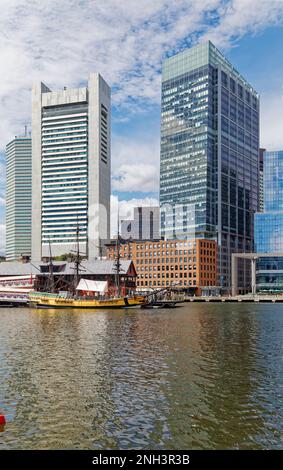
(94, 286)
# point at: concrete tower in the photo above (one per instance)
(71, 163)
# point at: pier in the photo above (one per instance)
(13, 301)
(238, 298)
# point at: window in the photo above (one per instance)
(224, 79)
(232, 85)
(248, 96)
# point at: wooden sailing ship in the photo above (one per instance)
(72, 299)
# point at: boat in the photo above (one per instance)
(50, 300)
(162, 304)
(72, 299)
(158, 298)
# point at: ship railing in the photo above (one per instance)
(47, 294)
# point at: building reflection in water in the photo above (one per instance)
(196, 377)
(223, 397)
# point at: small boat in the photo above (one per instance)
(158, 298)
(161, 304)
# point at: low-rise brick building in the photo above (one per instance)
(18, 276)
(188, 264)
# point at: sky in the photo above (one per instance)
(60, 41)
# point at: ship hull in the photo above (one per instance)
(48, 301)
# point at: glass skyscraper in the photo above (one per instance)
(269, 224)
(18, 198)
(209, 154)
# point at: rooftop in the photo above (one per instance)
(97, 267)
(198, 56)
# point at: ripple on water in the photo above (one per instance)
(201, 376)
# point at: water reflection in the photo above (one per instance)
(195, 377)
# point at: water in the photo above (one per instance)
(203, 376)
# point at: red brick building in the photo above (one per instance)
(188, 264)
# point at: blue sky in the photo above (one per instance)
(60, 42)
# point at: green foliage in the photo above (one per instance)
(65, 257)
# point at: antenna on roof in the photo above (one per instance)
(26, 130)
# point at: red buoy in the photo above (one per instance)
(2, 420)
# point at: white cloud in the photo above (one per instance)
(239, 17)
(136, 177)
(272, 121)
(2, 174)
(126, 209)
(127, 150)
(61, 42)
(2, 238)
(135, 163)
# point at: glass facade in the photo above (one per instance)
(269, 276)
(273, 181)
(209, 154)
(269, 224)
(269, 232)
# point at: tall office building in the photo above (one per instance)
(144, 226)
(71, 168)
(269, 225)
(18, 198)
(209, 154)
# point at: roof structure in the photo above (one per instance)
(93, 286)
(96, 267)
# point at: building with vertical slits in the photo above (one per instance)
(144, 226)
(18, 198)
(71, 168)
(209, 154)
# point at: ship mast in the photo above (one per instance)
(77, 260)
(118, 264)
(51, 270)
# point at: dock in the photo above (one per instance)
(13, 301)
(239, 298)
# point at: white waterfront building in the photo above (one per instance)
(71, 164)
